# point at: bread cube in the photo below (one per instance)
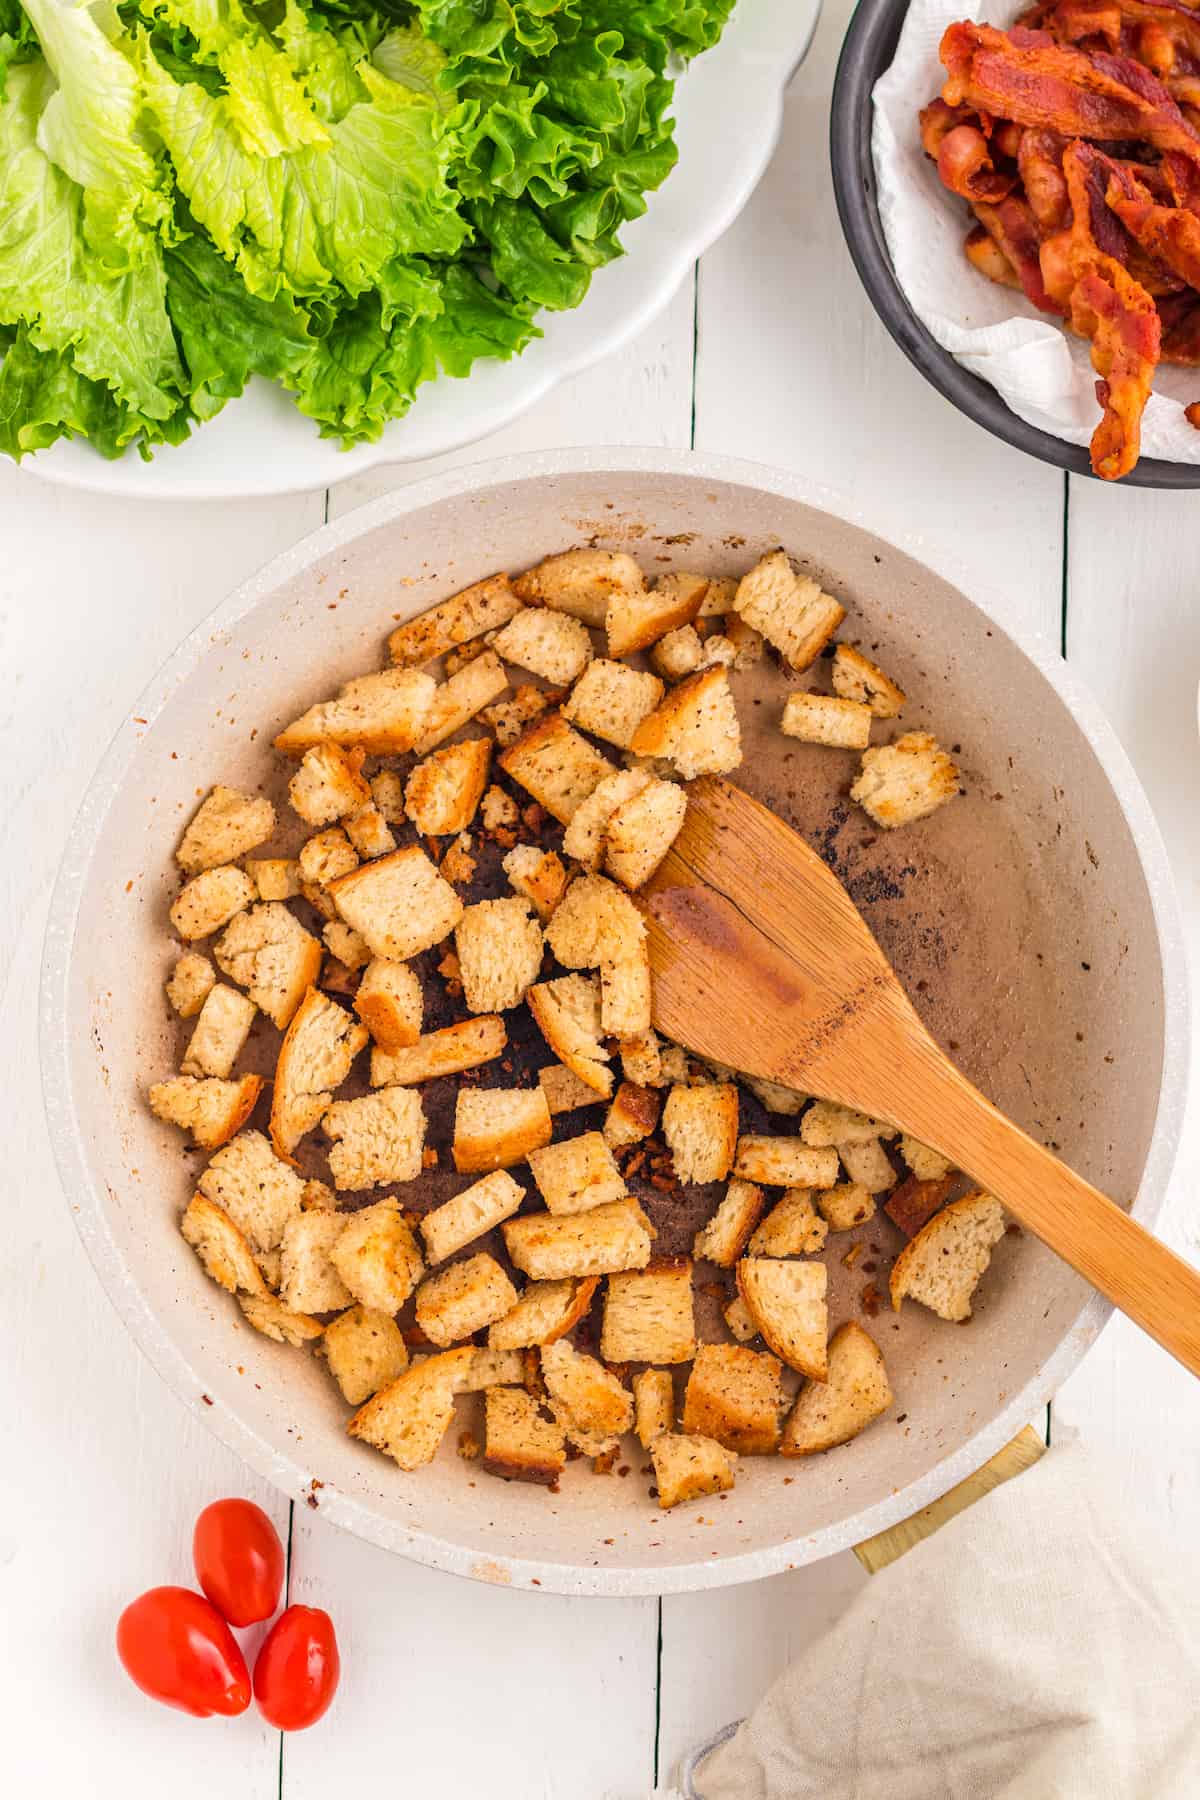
(462, 619)
(581, 583)
(649, 1314)
(377, 1140)
(545, 1311)
(519, 1442)
(496, 1127)
(945, 1262)
(268, 952)
(557, 765)
(688, 1468)
(695, 727)
(577, 1174)
(380, 714)
(855, 1392)
(789, 609)
(727, 1233)
(905, 781)
(400, 904)
(700, 1125)
(824, 719)
(462, 1298)
(224, 827)
(328, 784)
(855, 677)
(211, 1109)
(365, 1351)
(601, 1241)
(735, 1396)
(210, 900)
(499, 954)
(444, 791)
(786, 1300)
(610, 700)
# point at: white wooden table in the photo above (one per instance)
(454, 1689)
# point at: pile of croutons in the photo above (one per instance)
(394, 780)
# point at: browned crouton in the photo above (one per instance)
(323, 859)
(945, 1262)
(641, 830)
(581, 582)
(725, 1236)
(381, 714)
(211, 1109)
(584, 838)
(784, 1162)
(595, 922)
(737, 1318)
(308, 1281)
(868, 1165)
(346, 946)
(408, 1419)
(856, 678)
(563, 1089)
(823, 719)
(444, 790)
(462, 1298)
(446, 1052)
(376, 1140)
(654, 1404)
(454, 622)
(496, 1127)
(278, 1322)
(390, 1004)
(548, 1247)
(679, 653)
(190, 983)
(610, 700)
(634, 621)
(519, 1443)
(905, 781)
(567, 1013)
(826, 1123)
(641, 1059)
(695, 726)
(387, 791)
(459, 699)
(220, 1033)
(499, 954)
(786, 1300)
(846, 1205)
(549, 644)
(479, 1208)
(700, 1125)
(494, 1368)
(577, 1174)
(268, 952)
(689, 1467)
(545, 1311)
(590, 1404)
(210, 900)
(509, 718)
(625, 997)
(632, 1116)
(259, 1192)
(223, 828)
(377, 1256)
(365, 1351)
(855, 1392)
(537, 875)
(369, 832)
(224, 1252)
(926, 1164)
(793, 1227)
(789, 609)
(498, 811)
(314, 1059)
(556, 764)
(649, 1314)
(735, 1396)
(458, 865)
(400, 904)
(328, 784)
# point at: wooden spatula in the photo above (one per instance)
(762, 961)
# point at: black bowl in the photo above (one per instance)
(867, 52)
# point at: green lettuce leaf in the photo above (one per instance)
(43, 397)
(18, 42)
(227, 334)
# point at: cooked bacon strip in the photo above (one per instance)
(1074, 21)
(1119, 316)
(985, 254)
(1046, 84)
(965, 166)
(1192, 414)
(1180, 317)
(1168, 234)
(937, 119)
(1040, 166)
(1156, 30)
(1012, 227)
(1182, 177)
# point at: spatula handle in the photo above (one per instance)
(1142, 1278)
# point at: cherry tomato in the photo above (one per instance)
(178, 1649)
(239, 1560)
(296, 1675)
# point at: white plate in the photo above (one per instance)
(728, 108)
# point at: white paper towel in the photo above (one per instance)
(1043, 374)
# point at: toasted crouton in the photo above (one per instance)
(498, 811)
(454, 622)
(390, 1004)
(793, 1227)
(725, 1236)
(855, 1392)
(601, 1241)
(641, 1060)
(377, 1257)
(376, 1140)
(326, 856)
(695, 727)
(224, 827)
(945, 1262)
(211, 1109)
(314, 1059)
(581, 582)
(625, 996)
(857, 678)
(328, 784)
(508, 719)
(584, 838)
(494, 1368)
(786, 1102)
(679, 653)
(632, 1116)
(447, 1052)
(689, 1467)
(846, 1205)
(595, 922)
(653, 1404)
(460, 698)
(464, 1297)
(827, 1123)
(499, 954)
(190, 983)
(738, 1321)
(557, 765)
(308, 1280)
(224, 1252)
(735, 1396)
(789, 609)
(381, 714)
(268, 952)
(641, 830)
(869, 1166)
(519, 1443)
(785, 1162)
(258, 1191)
(458, 866)
(914, 1202)
(590, 1404)
(400, 904)
(496, 1127)
(369, 832)
(346, 946)
(387, 793)
(926, 1164)
(824, 719)
(537, 875)
(444, 790)
(748, 644)
(210, 900)
(577, 1174)
(479, 1208)
(550, 644)
(220, 1033)
(276, 1321)
(567, 1013)
(700, 1125)
(365, 1351)
(408, 1419)
(563, 1089)
(786, 1300)
(317, 1196)
(634, 620)
(905, 781)
(649, 1315)
(610, 700)
(545, 1311)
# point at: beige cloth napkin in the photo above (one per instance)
(1039, 1647)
